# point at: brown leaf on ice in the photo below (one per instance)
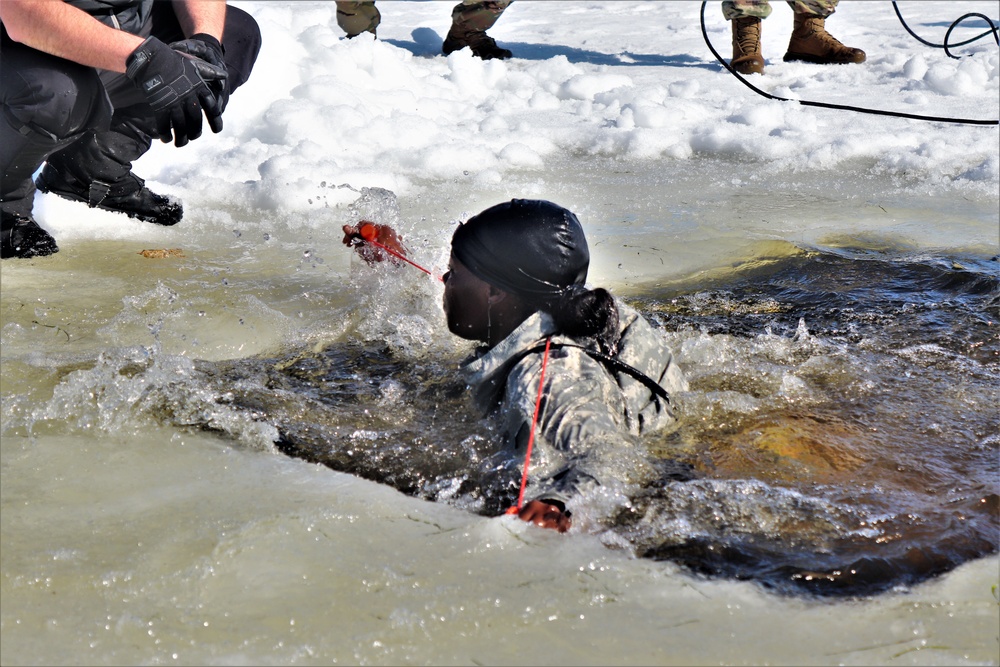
(162, 253)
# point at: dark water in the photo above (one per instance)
(841, 435)
(885, 472)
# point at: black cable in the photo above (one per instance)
(827, 105)
(955, 25)
(945, 46)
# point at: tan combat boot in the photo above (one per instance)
(811, 43)
(746, 46)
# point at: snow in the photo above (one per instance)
(627, 81)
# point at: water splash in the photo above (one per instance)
(839, 436)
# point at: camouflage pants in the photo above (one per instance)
(737, 9)
(358, 16)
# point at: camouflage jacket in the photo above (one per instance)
(591, 415)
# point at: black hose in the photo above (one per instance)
(946, 46)
(955, 25)
(844, 107)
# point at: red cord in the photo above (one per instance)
(400, 256)
(516, 509)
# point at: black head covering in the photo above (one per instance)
(529, 247)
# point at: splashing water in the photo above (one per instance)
(839, 436)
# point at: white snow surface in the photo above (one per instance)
(617, 88)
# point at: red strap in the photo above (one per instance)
(399, 256)
(516, 509)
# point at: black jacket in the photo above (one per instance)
(127, 15)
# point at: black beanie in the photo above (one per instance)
(528, 247)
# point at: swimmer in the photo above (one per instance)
(516, 278)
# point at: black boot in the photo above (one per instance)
(20, 236)
(482, 45)
(97, 170)
(469, 23)
(129, 196)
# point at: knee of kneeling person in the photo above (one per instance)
(242, 42)
(61, 103)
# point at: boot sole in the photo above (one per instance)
(73, 196)
(748, 65)
(819, 60)
(29, 253)
(42, 245)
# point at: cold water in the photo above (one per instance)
(842, 416)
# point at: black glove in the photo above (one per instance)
(175, 86)
(209, 49)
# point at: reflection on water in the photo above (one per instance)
(840, 435)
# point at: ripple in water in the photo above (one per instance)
(840, 436)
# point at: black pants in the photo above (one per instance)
(88, 123)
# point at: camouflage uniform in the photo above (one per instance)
(737, 9)
(591, 417)
(358, 16)
(472, 16)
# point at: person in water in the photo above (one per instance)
(516, 279)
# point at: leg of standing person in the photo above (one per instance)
(469, 22)
(746, 17)
(810, 42)
(97, 168)
(47, 104)
(358, 16)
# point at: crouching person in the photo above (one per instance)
(87, 84)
